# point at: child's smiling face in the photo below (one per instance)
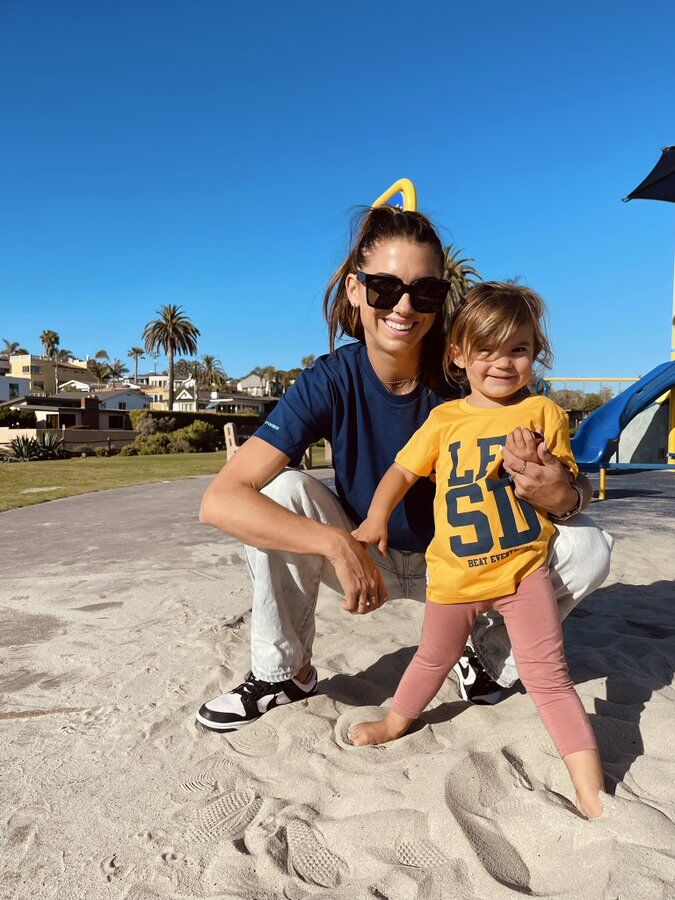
(496, 377)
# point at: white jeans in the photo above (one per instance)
(286, 585)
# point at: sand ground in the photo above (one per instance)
(120, 614)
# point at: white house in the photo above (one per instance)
(12, 387)
(123, 399)
(189, 398)
(236, 402)
(74, 385)
(254, 385)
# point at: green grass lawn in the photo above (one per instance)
(26, 483)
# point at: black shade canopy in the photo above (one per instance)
(660, 183)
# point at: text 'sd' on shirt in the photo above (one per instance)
(486, 540)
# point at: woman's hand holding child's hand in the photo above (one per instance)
(372, 531)
(538, 476)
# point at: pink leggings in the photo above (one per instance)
(532, 620)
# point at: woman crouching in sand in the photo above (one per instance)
(490, 550)
(368, 398)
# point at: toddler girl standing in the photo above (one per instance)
(490, 549)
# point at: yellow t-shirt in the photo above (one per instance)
(486, 540)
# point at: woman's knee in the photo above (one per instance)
(581, 557)
(291, 488)
(307, 496)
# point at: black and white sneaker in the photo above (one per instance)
(247, 702)
(475, 685)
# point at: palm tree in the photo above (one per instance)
(116, 369)
(136, 353)
(260, 372)
(173, 333)
(50, 341)
(99, 369)
(101, 354)
(212, 371)
(307, 361)
(461, 274)
(13, 348)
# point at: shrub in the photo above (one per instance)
(129, 450)
(200, 437)
(146, 424)
(247, 423)
(22, 449)
(154, 444)
(102, 451)
(52, 447)
(17, 418)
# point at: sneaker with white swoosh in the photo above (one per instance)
(475, 685)
(252, 699)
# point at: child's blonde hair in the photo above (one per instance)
(489, 315)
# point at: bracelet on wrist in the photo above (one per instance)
(578, 490)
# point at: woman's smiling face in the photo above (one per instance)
(395, 331)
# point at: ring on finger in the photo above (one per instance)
(522, 471)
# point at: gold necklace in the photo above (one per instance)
(401, 381)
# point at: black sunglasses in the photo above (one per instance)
(427, 295)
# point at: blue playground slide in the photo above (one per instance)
(597, 439)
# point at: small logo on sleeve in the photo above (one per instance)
(272, 425)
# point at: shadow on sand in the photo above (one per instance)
(623, 634)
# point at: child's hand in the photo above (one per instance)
(372, 531)
(522, 443)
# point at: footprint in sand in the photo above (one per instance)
(110, 868)
(420, 853)
(473, 789)
(310, 859)
(197, 788)
(225, 768)
(256, 740)
(226, 817)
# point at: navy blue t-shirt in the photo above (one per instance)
(341, 399)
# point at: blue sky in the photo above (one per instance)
(208, 154)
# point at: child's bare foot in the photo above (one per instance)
(589, 804)
(387, 729)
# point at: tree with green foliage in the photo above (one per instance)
(461, 273)
(136, 353)
(99, 370)
(117, 369)
(13, 348)
(260, 372)
(212, 374)
(183, 369)
(569, 400)
(50, 341)
(591, 402)
(172, 332)
(308, 361)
